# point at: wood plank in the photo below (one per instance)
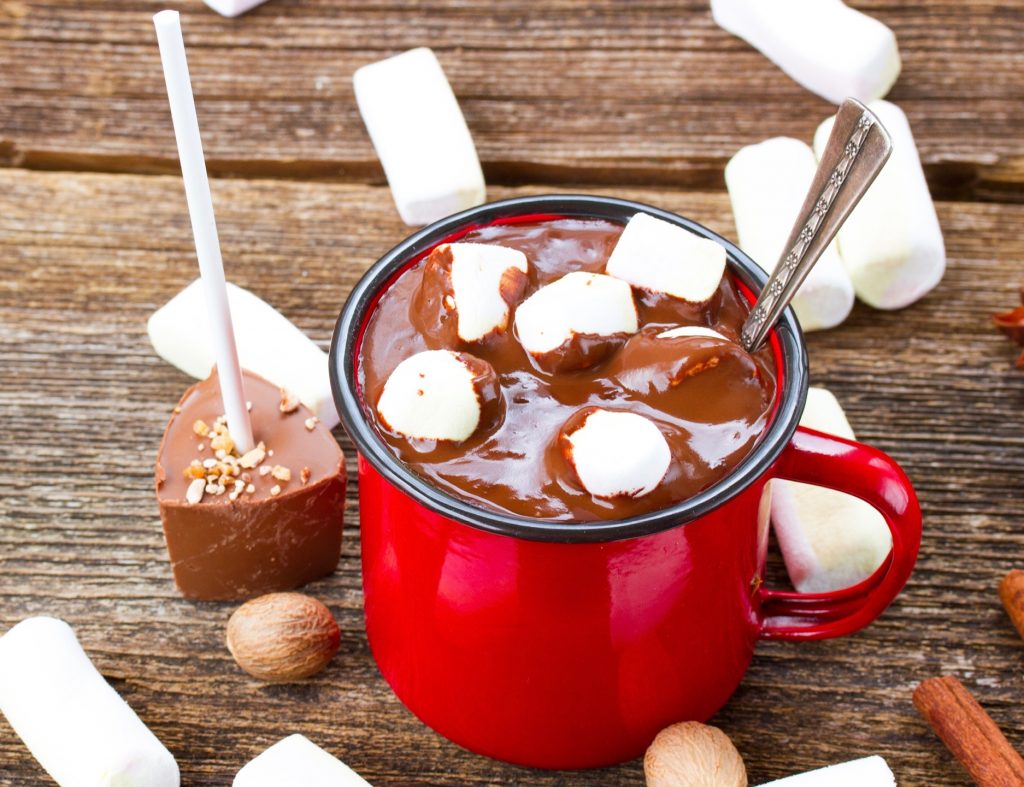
(84, 258)
(651, 93)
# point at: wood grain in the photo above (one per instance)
(84, 259)
(605, 92)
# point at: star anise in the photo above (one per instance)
(1012, 324)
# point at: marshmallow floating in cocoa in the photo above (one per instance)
(420, 136)
(440, 395)
(768, 183)
(576, 320)
(661, 257)
(471, 287)
(892, 243)
(670, 370)
(73, 722)
(691, 330)
(829, 540)
(296, 760)
(829, 48)
(615, 453)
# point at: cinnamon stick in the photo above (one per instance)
(1011, 591)
(969, 733)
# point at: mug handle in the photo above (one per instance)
(865, 472)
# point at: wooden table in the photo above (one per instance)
(645, 100)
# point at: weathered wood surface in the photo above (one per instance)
(84, 258)
(595, 91)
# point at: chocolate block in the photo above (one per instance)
(277, 524)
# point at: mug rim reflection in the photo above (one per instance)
(348, 332)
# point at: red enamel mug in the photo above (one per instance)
(560, 645)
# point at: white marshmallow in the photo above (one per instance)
(268, 344)
(767, 185)
(577, 303)
(655, 255)
(691, 330)
(829, 540)
(478, 271)
(892, 243)
(69, 717)
(866, 772)
(233, 7)
(617, 454)
(296, 761)
(420, 136)
(829, 48)
(431, 396)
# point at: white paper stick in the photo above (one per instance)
(204, 226)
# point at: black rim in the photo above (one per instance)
(376, 452)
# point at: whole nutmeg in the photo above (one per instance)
(691, 754)
(283, 637)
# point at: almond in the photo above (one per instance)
(691, 754)
(283, 637)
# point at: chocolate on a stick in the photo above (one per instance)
(242, 524)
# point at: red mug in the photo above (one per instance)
(560, 645)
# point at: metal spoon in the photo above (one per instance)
(856, 151)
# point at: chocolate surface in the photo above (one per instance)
(709, 397)
(261, 541)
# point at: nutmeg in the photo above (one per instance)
(691, 754)
(283, 637)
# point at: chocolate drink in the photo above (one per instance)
(277, 523)
(709, 398)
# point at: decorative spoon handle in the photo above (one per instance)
(857, 150)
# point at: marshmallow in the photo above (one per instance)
(829, 540)
(579, 304)
(439, 395)
(767, 185)
(691, 330)
(268, 345)
(892, 244)
(296, 761)
(485, 279)
(614, 453)
(655, 255)
(233, 7)
(420, 136)
(69, 717)
(829, 48)
(866, 772)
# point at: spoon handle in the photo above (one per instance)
(856, 151)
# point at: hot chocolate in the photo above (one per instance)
(599, 346)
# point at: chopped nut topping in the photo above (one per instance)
(265, 469)
(176, 409)
(209, 464)
(311, 423)
(200, 428)
(195, 470)
(249, 489)
(281, 473)
(305, 474)
(289, 401)
(201, 447)
(211, 488)
(275, 490)
(270, 452)
(195, 490)
(254, 457)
